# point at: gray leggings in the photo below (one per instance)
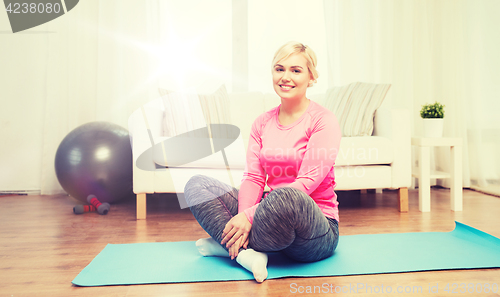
(286, 220)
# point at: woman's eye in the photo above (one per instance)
(296, 71)
(279, 69)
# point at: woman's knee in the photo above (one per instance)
(194, 182)
(289, 196)
(285, 206)
(202, 188)
(193, 190)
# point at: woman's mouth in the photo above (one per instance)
(286, 87)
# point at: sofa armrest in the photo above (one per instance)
(144, 128)
(395, 125)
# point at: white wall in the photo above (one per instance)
(22, 83)
(274, 23)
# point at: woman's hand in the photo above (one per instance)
(235, 234)
(235, 248)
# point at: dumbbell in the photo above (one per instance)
(102, 208)
(79, 209)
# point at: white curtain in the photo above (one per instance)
(482, 93)
(107, 58)
(274, 23)
(444, 50)
(95, 72)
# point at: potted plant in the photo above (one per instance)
(432, 115)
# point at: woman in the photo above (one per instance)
(295, 145)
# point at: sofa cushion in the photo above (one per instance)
(355, 105)
(365, 150)
(179, 177)
(354, 151)
(362, 177)
(244, 109)
(186, 111)
(234, 154)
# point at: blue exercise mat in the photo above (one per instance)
(176, 262)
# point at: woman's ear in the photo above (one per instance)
(311, 80)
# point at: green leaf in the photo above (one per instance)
(432, 111)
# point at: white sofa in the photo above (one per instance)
(380, 161)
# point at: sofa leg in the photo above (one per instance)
(403, 199)
(141, 206)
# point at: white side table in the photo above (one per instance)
(424, 174)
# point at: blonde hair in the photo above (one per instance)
(294, 47)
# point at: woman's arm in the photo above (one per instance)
(254, 178)
(237, 230)
(321, 151)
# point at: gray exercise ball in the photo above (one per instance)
(96, 159)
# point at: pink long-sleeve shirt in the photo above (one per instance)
(300, 155)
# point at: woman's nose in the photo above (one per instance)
(286, 76)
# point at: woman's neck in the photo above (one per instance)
(291, 108)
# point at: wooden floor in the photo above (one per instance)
(43, 245)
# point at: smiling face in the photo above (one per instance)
(291, 77)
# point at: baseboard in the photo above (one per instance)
(493, 190)
(20, 192)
